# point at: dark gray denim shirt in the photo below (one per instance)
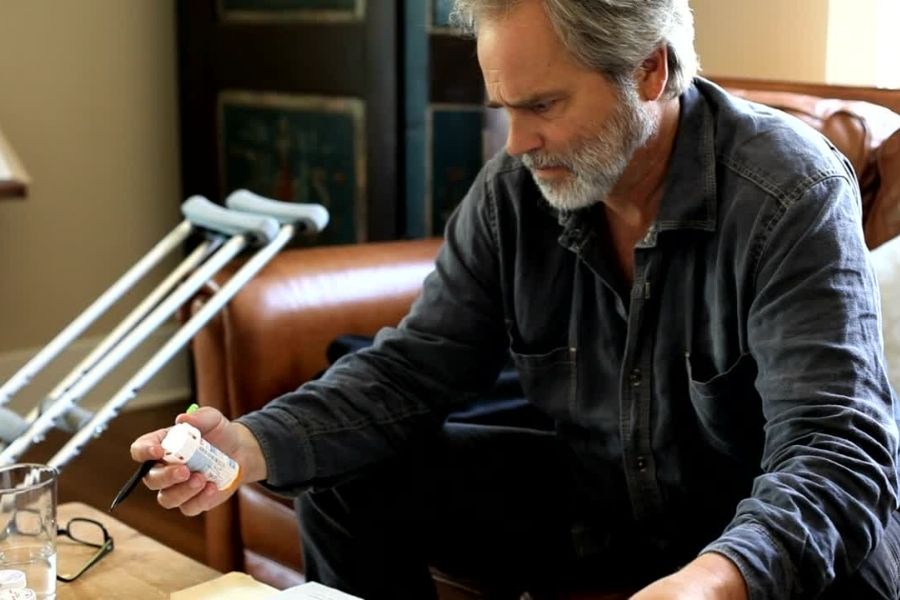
(735, 395)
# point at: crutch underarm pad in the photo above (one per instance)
(203, 213)
(312, 218)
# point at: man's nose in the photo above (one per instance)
(522, 138)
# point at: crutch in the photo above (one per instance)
(11, 423)
(293, 218)
(244, 228)
(198, 212)
(77, 416)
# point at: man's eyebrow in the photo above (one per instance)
(526, 102)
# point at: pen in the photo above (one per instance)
(139, 474)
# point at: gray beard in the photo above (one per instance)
(597, 162)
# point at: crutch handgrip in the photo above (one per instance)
(310, 218)
(203, 213)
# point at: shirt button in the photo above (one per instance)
(641, 463)
(635, 377)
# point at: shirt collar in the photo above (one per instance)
(689, 199)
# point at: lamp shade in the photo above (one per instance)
(13, 178)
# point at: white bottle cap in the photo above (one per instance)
(180, 443)
(12, 579)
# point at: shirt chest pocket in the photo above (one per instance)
(727, 406)
(549, 379)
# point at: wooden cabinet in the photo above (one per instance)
(371, 107)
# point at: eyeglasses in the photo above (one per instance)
(88, 533)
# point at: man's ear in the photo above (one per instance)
(653, 74)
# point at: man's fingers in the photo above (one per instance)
(177, 495)
(175, 485)
(208, 498)
(148, 446)
(162, 476)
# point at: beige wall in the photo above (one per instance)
(850, 42)
(777, 39)
(88, 99)
(853, 58)
(888, 43)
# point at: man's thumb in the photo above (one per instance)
(204, 419)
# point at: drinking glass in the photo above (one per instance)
(28, 525)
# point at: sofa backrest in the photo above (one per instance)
(273, 335)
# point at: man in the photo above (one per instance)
(681, 279)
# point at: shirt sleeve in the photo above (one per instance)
(372, 403)
(829, 479)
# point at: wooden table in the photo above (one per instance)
(138, 568)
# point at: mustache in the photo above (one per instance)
(544, 160)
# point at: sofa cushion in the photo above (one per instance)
(883, 220)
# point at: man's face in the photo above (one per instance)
(574, 130)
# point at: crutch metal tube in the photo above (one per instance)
(209, 309)
(191, 262)
(24, 375)
(70, 398)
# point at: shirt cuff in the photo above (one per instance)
(760, 559)
(286, 448)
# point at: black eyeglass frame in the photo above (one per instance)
(102, 549)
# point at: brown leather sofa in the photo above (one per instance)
(273, 335)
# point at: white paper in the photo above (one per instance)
(232, 586)
(312, 591)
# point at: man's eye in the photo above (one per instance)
(542, 107)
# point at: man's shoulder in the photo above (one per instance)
(769, 149)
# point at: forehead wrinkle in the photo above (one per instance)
(517, 81)
(514, 74)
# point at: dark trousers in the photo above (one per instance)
(503, 507)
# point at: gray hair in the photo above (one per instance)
(613, 37)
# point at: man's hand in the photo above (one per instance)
(190, 492)
(708, 577)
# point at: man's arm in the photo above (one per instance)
(829, 461)
(710, 576)
(372, 403)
